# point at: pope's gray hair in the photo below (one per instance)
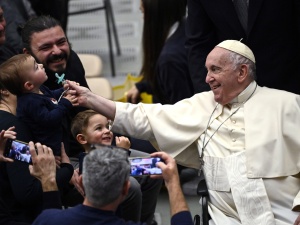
(238, 59)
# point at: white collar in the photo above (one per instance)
(245, 94)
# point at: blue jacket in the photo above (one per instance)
(43, 116)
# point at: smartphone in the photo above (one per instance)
(145, 166)
(17, 150)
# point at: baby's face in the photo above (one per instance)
(34, 72)
(98, 131)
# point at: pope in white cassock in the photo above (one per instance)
(247, 136)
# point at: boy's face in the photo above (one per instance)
(35, 73)
(98, 131)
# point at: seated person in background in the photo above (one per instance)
(165, 65)
(105, 179)
(89, 128)
(39, 107)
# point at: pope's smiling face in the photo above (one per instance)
(222, 76)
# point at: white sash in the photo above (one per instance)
(250, 197)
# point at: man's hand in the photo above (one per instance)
(43, 166)
(4, 135)
(133, 95)
(123, 142)
(168, 167)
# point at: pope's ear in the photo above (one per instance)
(243, 72)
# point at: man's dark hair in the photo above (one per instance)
(37, 24)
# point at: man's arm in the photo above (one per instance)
(179, 208)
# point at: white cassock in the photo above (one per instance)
(252, 160)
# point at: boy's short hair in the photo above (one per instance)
(80, 122)
(11, 73)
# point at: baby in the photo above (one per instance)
(42, 109)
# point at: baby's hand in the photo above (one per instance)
(71, 98)
(123, 142)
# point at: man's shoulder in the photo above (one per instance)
(52, 216)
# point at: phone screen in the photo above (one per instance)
(144, 166)
(17, 150)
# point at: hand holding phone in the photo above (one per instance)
(43, 163)
(168, 167)
(145, 166)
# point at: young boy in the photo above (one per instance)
(89, 128)
(40, 108)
